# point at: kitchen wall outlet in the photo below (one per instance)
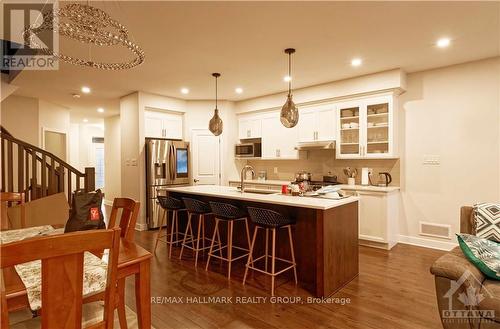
(432, 160)
(275, 170)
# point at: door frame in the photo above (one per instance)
(58, 131)
(191, 148)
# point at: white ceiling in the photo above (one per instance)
(185, 42)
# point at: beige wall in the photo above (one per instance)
(19, 115)
(453, 113)
(112, 151)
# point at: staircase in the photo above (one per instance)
(38, 173)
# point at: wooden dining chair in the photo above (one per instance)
(7, 199)
(62, 276)
(129, 213)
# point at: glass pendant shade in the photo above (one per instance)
(216, 125)
(289, 115)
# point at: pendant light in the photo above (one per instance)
(289, 115)
(215, 125)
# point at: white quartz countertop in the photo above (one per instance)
(385, 189)
(285, 200)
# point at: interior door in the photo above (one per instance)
(205, 148)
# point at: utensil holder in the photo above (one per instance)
(351, 181)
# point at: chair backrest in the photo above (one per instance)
(196, 206)
(466, 219)
(130, 211)
(62, 266)
(6, 200)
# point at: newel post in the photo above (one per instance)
(89, 179)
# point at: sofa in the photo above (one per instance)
(461, 287)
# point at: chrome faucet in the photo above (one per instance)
(243, 174)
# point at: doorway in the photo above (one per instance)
(55, 143)
(205, 148)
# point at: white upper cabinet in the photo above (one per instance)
(163, 125)
(317, 124)
(367, 128)
(278, 142)
(249, 126)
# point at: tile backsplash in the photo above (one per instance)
(320, 162)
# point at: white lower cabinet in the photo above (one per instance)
(378, 218)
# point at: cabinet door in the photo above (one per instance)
(255, 128)
(372, 217)
(288, 139)
(172, 125)
(270, 137)
(378, 123)
(326, 123)
(244, 129)
(349, 132)
(307, 126)
(153, 126)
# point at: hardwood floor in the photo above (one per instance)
(394, 290)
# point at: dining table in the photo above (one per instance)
(133, 260)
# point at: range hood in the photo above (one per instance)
(327, 145)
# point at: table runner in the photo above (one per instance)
(94, 268)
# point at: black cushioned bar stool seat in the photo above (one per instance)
(225, 212)
(173, 205)
(270, 220)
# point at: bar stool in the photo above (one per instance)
(174, 205)
(270, 220)
(229, 214)
(201, 209)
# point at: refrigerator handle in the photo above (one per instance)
(172, 162)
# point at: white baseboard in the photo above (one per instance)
(108, 202)
(141, 226)
(427, 243)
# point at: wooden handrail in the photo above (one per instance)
(37, 149)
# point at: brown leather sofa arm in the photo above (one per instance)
(453, 265)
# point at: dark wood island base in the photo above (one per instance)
(326, 241)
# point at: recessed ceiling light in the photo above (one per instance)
(185, 91)
(287, 78)
(356, 62)
(100, 110)
(85, 120)
(85, 90)
(443, 42)
(238, 90)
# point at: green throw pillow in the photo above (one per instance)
(483, 253)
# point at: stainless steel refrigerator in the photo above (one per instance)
(167, 164)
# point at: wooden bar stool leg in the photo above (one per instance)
(267, 249)
(177, 228)
(293, 252)
(250, 255)
(160, 229)
(219, 241)
(273, 260)
(172, 224)
(248, 235)
(229, 248)
(186, 234)
(212, 244)
(203, 235)
(200, 221)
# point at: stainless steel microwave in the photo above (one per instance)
(248, 150)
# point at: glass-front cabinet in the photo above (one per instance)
(366, 129)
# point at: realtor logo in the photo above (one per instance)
(25, 45)
(469, 296)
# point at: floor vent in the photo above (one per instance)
(435, 230)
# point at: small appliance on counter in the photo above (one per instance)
(262, 175)
(365, 176)
(384, 179)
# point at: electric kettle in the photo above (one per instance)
(384, 179)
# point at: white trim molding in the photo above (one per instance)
(108, 203)
(427, 243)
(141, 226)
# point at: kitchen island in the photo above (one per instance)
(325, 234)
